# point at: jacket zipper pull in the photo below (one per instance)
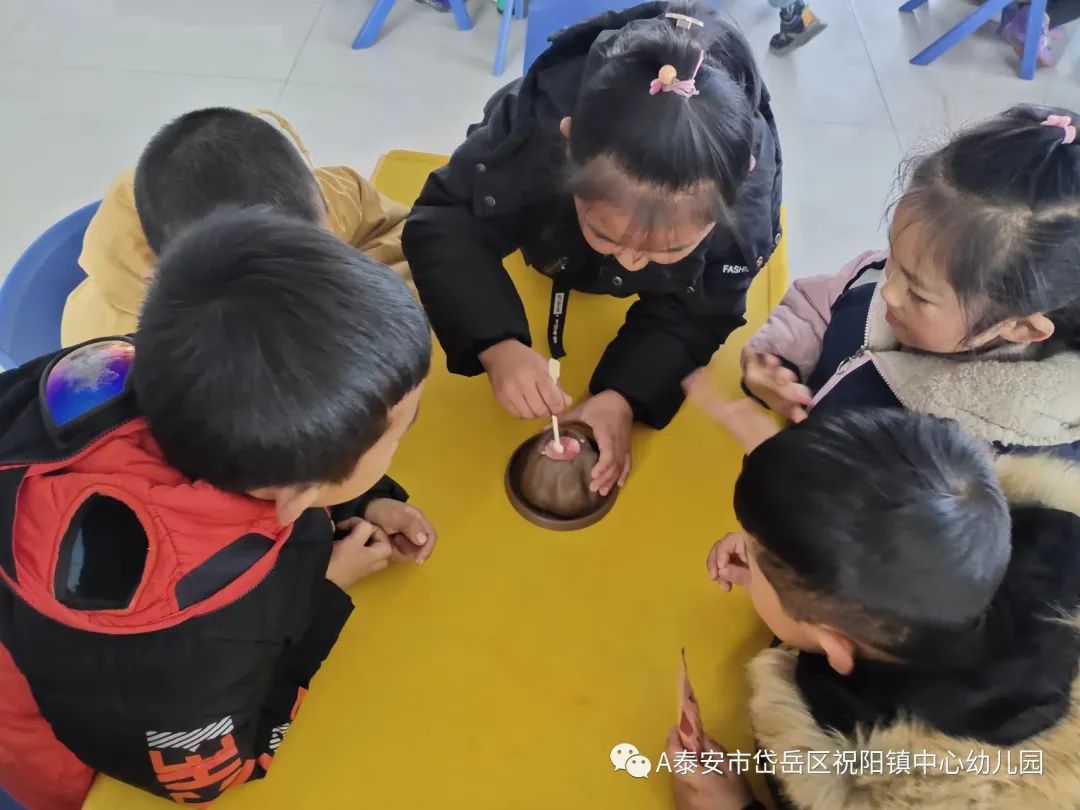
(840, 369)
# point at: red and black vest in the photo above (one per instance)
(153, 628)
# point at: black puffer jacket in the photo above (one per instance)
(502, 191)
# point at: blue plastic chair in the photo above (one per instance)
(974, 21)
(372, 27)
(512, 10)
(32, 297)
(548, 17)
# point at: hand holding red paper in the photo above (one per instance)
(691, 731)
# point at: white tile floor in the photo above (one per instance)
(84, 83)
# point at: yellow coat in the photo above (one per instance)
(118, 261)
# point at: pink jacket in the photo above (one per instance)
(795, 329)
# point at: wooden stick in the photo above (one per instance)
(554, 370)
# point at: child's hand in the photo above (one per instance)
(776, 386)
(519, 377)
(747, 422)
(727, 562)
(719, 789)
(611, 419)
(362, 552)
(410, 533)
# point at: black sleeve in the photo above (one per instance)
(455, 240)
(386, 487)
(664, 338)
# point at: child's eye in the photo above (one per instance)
(918, 299)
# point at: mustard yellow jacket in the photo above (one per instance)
(118, 261)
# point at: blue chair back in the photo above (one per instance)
(32, 296)
(547, 17)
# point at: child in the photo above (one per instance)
(928, 604)
(798, 25)
(638, 157)
(200, 161)
(973, 314)
(169, 582)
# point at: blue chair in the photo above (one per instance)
(975, 20)
(511, 10)
(548, 17)
(32, 297)
(369, 31)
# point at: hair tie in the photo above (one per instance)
(1065, 122)
(684, 21)
(668, 81)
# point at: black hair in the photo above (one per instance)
(1000, 205)
(624, 141)
(269, 352)
(886, 524)
(219, 156)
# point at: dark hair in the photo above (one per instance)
(622, 137)
(1001, 207)
(270, 353)
(886, 524)
(219, 156)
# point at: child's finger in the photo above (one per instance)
(348, 524)
(416, 527)
(553, 396)
(799, 393)
(535, 407)
(427, 549)
(797, 415)
(361, 531)
(625, 471)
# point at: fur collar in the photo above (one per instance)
(783, 721)
(998, 397)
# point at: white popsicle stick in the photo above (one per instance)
(554, 369)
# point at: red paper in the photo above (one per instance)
(691, 733)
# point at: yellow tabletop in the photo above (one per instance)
(499, 675)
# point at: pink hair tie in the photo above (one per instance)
(669, 82)
(1065, 122)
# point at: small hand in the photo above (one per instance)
(776, 386)
(719, 789)
(360, 553)
(410, 533)
(747, 422)
(727, 562)
(519, 377)
(611, 419)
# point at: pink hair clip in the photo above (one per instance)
(669, 82)
(1065, 122)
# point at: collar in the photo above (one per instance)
(1002, 395)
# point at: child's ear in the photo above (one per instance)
(292, 501)
(564, 127)
(838, 648)
(1031, 329)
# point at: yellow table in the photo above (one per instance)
(499, 675)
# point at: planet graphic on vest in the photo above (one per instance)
(87, 378)
(551, 488)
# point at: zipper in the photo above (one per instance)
(860, 358)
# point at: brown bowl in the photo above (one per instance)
(587, 509)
